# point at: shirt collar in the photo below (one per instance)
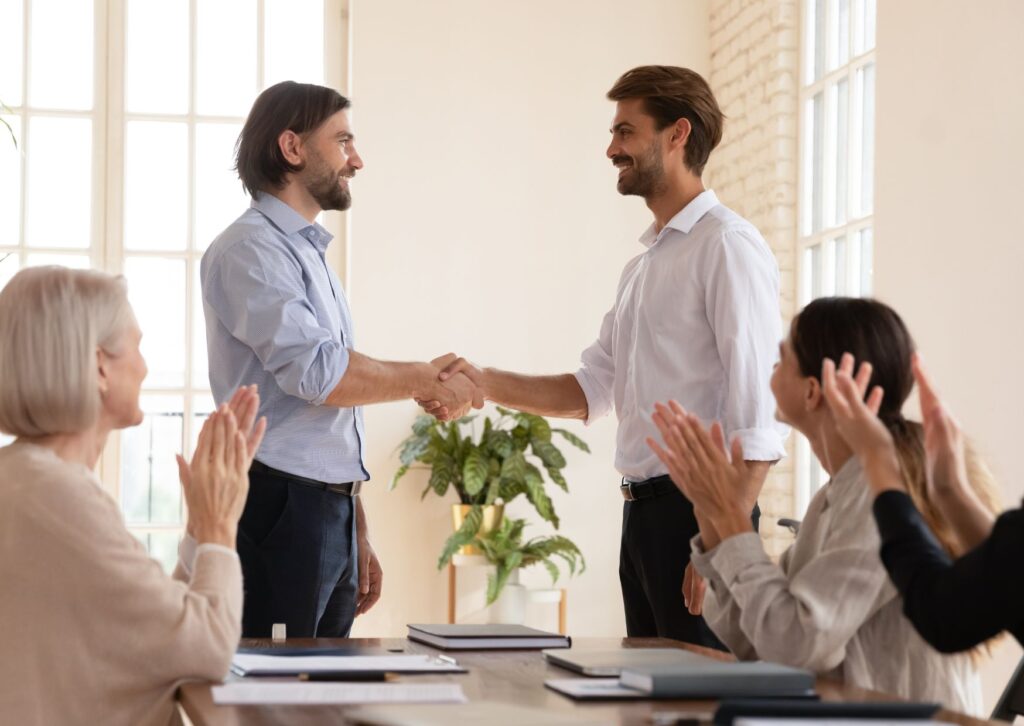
(685, 219)
(849, 474)
(291, 222)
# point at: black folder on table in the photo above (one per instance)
(486, 637)
(817, 710)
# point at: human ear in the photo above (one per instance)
(681, 130)
(813, 395)
(290, 144)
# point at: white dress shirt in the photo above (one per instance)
(696, 319)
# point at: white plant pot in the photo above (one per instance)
(510, 607)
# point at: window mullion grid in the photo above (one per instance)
(109, 53)
(26, 69)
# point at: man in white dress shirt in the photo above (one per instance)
(696, 318)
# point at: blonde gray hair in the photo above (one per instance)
(53, 322)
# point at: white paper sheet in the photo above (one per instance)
(593, 688)
(759, 721)
(277, 692)
(250, 664)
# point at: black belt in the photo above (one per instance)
(349, 488)
(654, 487)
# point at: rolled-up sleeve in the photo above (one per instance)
(596, 375)
(257, 293)
(742, 300)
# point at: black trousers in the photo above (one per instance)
(655, 551)
(297, 544)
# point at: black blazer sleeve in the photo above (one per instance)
(953, 605)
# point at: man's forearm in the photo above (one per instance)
(559, 396)
(367, 381)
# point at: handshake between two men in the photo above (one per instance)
(458, 388)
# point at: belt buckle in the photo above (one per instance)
(627, 491)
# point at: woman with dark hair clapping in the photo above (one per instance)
(828, 604)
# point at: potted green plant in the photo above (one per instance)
(5, 109)
(505, 549)
(508, 459)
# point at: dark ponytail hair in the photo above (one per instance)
(874, 332)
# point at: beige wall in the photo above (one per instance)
(486, 222)
(949, 187)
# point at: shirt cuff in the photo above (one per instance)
(189, 550)
(762, 444)
(341, 367)
(598, 402)
(734, 555)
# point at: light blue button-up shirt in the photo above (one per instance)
(276, 316)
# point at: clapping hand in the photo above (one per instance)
(856, 419)
(945, 449)
(720, 486)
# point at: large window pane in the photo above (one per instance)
(156, 186)
(814, 163)
(150, 491)
(838, 33)
(9, 265)
(839, 266)
(10, 183)
(220, 198)
(839, 150)
(226, 52)
(287, 60)
(162, 546)
(11, 51)
(865, 85)
(61, 49)
(59, 195)
(156, 65)
(863, 26)
(200, 372)
(156, 288)
(78, 262)
(202, 407)
(867, 272)
(814, 51)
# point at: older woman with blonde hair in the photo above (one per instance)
(93, 630)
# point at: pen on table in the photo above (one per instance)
(345, 676)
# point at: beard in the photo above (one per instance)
(324, 185)
(646, 177)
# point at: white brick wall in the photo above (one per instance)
(755, 76)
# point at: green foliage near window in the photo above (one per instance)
(4, 108)
(506, 550)
(508, 460)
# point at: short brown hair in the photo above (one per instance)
(285, 106)
(671, 93)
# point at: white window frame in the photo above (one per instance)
(106, 251)
(851, 229)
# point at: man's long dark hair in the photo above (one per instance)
(286, 106)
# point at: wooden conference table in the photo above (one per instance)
(515, 677)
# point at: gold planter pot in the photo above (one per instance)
(492, 519)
